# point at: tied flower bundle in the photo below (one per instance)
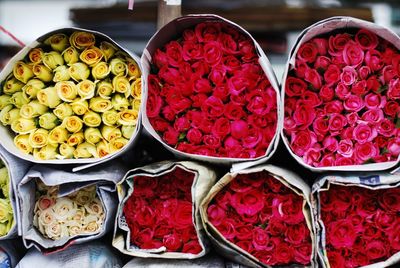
(6, 210)
(342, 100)
(208, 95)
(79, 213)
(362, 225)
(72, 97)
(264, 217)
(159, 213)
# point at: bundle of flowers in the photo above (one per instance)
(6, 210)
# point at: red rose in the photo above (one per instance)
(302, 141)
(174, 53)
(159, 124)
(342, 91)
(302, 253)
(312, 156)
(153, 104)
(201, 68)
(314, 78)
(301, 68)
(384, 220)
(337, 43)
(353, 55)
(207, 31)
(354, 103)
(388, 73)
(297, 234)
(239, 129)
(307, 52)
(247, 49)
(212, 53)
(245, 245)
(332, 74)
(322, 63)
(394, 60)
(229, 45)
(227, 228)
(326, 93)
(217, 76)
(386, 127)
(221, 127)
(366, 39)
(394, 236)
(212, 141)
(216, 214)
(373, 84)
(394, 89)
(143, 236)
(192, 51)
(321, 44)
(336, 260)
(253, 138)
(366, 151)
(364, 72)
(146, 216)
(160, 59)
(172, 242)
(283, 253)
(341, 234)
(260, 239)
(170, 75)
(327, 160)
(213, 107)
(376, 250)
(295, 87)
(189, 36)
(311, 98)
(336, 123)
(231, 63)
(249, 203)
(373, 59)
(192, 247)
(390, 201)
(194, 136)
(181, 124)
(304, 115)
(261, 103)
(244, 232)
(221, 92)
(198, 100)
(359, 87)
(289, 209)
(202, 85)
(183, 216)
(171, 136)
(144, 187)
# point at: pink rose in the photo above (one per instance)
(343, 161)
(304, 115)
(312, 156)
(373, 59)
(386, 128)
(342, 91)
(314, 78)
(388, 73)
(364, 133)
(260, 103)
(352, 118)
(394, 147)
(345, 148)
(394, 89)
(373, 116)
(307, 52)
(366, 39)
(260, 239)
(331, 144)
(302, 141)
(181, 124)
(321, 125)
(252, 138)
(336, 123)
(348, 76)
(353, 55)
(364, 152)
(327, 160)
(364, 72)
(354, 103)
(373, 101)
(216, 214)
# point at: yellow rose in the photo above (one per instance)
(36, 55)
(9, 114)
(48, 121)
(46, 152)
(79, 71)
(22, 143)
(136, 104)
(4, 101)
(52, 59)
(92, 135)
(121, 85)
(100, 70)
(86, 89)
(100, 105)
(117, 144)
(91, 56)
(80, 106)
(6, 213)
(22, 71)
(38, 138)
(32, 88)
(19, 99)
(133, 69)
(118, 67)
(33, 109)
(12, 85)
(66, 150)
(23, 125)
(82, 40)
(63, 110)
(58, 42)
(128, 117)
(66, 90)
(110, 117)
(136, 88)
(61, 73)
(73, 124)
(102, 149)
(127, 131)
(76, 139)
(71, 55)
(111, 133)
(58, 135)
(119, 102)
(85, 150)
(108, 49)
(42, 72)
(105, 89)
(48, 97)
(92, 119)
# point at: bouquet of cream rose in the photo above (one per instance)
(6, 211)
(79, 213)
(73, 96)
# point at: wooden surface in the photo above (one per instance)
(166, 13)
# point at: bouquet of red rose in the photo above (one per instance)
(158, 213)
(342, 92)
(210, 93)
(359, 220)
(261, 217)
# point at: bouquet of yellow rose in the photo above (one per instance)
(6, 210)
(74, 95)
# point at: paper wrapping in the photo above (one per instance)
(175, 28)
(232, 251)
(203, 181)
(322, 27)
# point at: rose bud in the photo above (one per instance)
(119, 102)
(70, 55)
(92, 135)
(38, 138)
(48, 121)
(76, 139)
(66, 151)
(12, 85)
(117, 144)
(121, 85)
(80, 106)
(19, 99)
(100, 105)
(85, 150)
(109, 117)
(36, 55)
(92, 119)
(61, 73)
(239, 129)
(23, 125)
(110, 133)
(105, 89)
(32, 88)
(33, 109)
(52, 59)
(45, 153)
(66, 90)
(127, 131)
(102, 149)
(133, 69)
(79, 71)
(136, 102)
(108, 49)
(100, 71)
(58, 135)
(127, 117)
(58, 42)
(91, 56)
(9, 114)
(136, 88)
(22, 143)
(48, 97)
(82, 40)
(4, 101)
(72, 123)
(118, 67)
(42, 72)
(63, 110)
(22, 71)
(86, 89)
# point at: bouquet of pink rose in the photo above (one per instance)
(342, 93)
(207, 93)
(261, 216)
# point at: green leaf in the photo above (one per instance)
(398, 122)
(384, 150)
(182, 136)
(310, 87)
(382, 88)
(369, 161)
